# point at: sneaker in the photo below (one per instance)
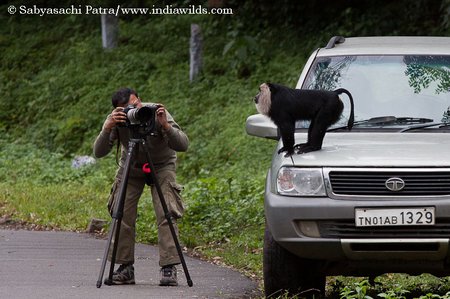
(123, 275)
(168, 276)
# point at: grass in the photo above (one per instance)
(68, 207)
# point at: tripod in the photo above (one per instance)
(114, 229)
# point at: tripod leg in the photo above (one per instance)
(117, 218)
(114, 252)
(167, 215)
(112, 228)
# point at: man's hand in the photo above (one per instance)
(161, 116)
(117, 116)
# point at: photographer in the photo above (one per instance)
(163, 147)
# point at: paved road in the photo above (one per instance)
(39, 264)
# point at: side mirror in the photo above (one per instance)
(261, 126)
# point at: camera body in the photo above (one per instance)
(141, 119)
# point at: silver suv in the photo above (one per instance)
(375, 199)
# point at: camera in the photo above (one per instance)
(137, 116)
(142, 118)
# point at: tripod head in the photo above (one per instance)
(142, 130)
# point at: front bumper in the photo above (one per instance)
(300, 225)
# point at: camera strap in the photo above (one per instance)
(118, 146)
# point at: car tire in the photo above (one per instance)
(285, 272)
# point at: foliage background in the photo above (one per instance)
(56, 82)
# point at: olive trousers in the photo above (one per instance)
(168, 254)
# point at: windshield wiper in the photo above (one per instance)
(373, 120)
(423, 126)
(386, 120)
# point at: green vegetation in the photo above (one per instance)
(56, 82)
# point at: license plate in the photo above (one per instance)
(394, 217)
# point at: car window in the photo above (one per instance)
(400, 86)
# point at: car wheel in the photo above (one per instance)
(286, 272)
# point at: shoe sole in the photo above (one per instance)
(123, 282)
(119, 282)
(168, 283)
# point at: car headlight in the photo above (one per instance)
(300, 181)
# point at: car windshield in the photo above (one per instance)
(413, 89)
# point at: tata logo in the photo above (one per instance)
(395, 184)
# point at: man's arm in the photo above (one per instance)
(108, 135)
(177, 139)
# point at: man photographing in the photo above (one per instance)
(163, 145)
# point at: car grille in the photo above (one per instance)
(347, 229)
(368, 183)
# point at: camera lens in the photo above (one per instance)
(139, 115)
(144, 114)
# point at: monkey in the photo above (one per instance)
(284, 106)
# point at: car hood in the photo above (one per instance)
(377, 150)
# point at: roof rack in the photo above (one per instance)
(334, 41)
